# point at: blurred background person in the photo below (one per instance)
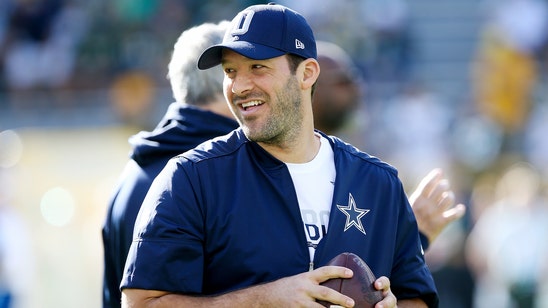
(507, 247)
(338, 95)
(507, 67)
(339, 92)
(199, 113)
(419, 125)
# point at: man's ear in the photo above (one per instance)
(310, 73)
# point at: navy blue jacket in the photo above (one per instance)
(225, 215)
(182, 128)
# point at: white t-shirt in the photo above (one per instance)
(314, 183)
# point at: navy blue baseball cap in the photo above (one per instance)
(262, 32)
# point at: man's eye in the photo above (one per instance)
(258, 66)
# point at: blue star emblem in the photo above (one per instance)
(353, 214)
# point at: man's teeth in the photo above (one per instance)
(251, 104)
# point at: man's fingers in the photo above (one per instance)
(447, 201)
(382, 283)
(455, 213)
(325, 273)
(427, 184)
(439, 190)
(334, 297)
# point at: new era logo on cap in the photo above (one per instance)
(299, 44)
(262, 32)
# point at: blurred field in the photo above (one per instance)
(61, 186)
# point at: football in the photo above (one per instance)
(360, 287)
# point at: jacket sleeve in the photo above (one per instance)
(167, 252)
(411, 277)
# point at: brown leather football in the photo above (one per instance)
(360, 287)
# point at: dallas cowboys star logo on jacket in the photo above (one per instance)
(353, 214)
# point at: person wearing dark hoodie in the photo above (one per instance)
(199, 113)
(336, 99)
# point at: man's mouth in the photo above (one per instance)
(251, 104)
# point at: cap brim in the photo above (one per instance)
(213, 55)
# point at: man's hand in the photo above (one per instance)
(302, 290)
(383, 284)
(433, 203)
(390, 300)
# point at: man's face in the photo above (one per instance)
(264, 96)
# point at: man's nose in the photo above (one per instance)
(241, 84)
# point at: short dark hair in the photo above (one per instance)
(294, 61)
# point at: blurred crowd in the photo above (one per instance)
(491, 142)
(50, 48)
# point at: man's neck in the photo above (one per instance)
(300, 150)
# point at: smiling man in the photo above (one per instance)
(250, 219)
